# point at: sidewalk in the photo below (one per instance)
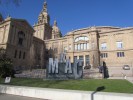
(15, 97)
(130, 79)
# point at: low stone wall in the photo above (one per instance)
(41, 73)
(35, 73)
(59, 94)
(92, 74)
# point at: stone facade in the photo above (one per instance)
(16, 36)
(42, 28)
(31, 47)
(109, 44)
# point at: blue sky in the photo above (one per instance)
(75, 14)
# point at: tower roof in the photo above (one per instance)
(44, 7)
(44, 16)
(56, 29)
(55, 23)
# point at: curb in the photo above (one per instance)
(60, 94)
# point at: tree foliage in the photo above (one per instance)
(6, 66)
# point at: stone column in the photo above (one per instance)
(77, 56)
(95, 52)
(84, 61)
(4, 34)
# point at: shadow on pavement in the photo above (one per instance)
(97, 90)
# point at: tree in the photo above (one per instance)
(6, 66)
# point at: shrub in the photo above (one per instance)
(6, 66)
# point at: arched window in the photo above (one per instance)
(21, 37)
(83, 45)
(81, 38)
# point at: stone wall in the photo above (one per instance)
(60, 94)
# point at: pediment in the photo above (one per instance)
(22, 23)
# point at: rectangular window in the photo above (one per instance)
(87, 60)
(20, 42)
(19, 54)
(24, 55)
(123, 54)
(75, 46)
(78, 46)
(75, 58)
(70, 46)
(104, 55)
(85, 46)
(119, 44)
(65, 49)
(82, 45)
(56, 50)
(15, 55)
(81, 59)
(103, 46)
(69, 58)
(120, 54)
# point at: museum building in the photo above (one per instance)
(29, 46)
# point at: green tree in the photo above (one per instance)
(6, 66)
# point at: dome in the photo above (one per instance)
(55, 27)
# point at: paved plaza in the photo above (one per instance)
(14, 97)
